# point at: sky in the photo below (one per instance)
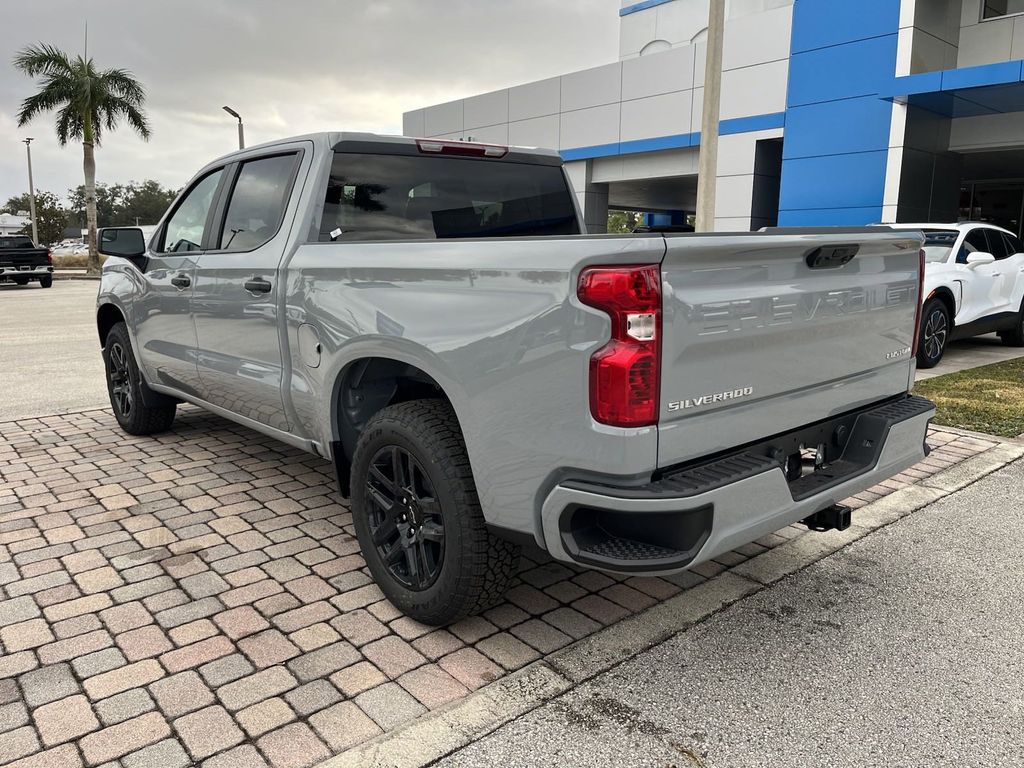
(287, 66)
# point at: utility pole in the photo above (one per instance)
(31, 192)
(708, 160)
(241, 133)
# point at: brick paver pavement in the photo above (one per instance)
(198, 598)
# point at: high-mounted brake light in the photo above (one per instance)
(920, 302)
(461, 148)
(625, 373)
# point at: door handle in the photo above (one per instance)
(181, 281)
(257, 285)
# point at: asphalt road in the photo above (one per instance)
(903, 649)
(49, 352)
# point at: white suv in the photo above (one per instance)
(973, 284)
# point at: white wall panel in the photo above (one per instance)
(655, 116)
(986, 43)
(413, 123)
(757, 39)
(443, 118)
(486, 109)
(658, 73)
(588, 127)
(592, 87)
(534, 99)
(538, 132)
(756, 90)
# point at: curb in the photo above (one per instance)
(58, 275)
(437, 734)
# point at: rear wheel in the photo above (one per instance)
(418, 518)
(46, 281)
(125, 387)
(1014, 337)
(935, 329)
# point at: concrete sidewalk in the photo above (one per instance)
(902, 649)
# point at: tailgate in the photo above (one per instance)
(758, 342)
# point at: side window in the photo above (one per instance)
(185, 228)
(996, 244)
(975, 241)
(1013, 244)
(257, 202)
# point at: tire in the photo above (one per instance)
(1014, 337)
(21, 280)
(46, 281)
(434, 559)
(125, 388)
(935, 329)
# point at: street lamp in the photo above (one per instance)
(31, 191)
(241, 135)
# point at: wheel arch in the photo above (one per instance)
(107, 316)
(945, 295)
(363, 388)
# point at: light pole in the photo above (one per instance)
(31, 191)
(707, 163)
(241, 134)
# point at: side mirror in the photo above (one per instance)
(126, 242)
(978, 258)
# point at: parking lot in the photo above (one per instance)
(198, 598)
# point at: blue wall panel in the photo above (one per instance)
(831, 217)
(834, 127)
(842, 71)
(834, 181)
(823, 23)
(837, 126)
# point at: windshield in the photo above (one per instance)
(938, 243)
(16, 242)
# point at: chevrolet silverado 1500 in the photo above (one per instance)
(429, 316)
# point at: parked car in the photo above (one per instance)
(428, 315)
(22, 261)
(973, 284)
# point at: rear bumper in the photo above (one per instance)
(696, 512)
(38, 271)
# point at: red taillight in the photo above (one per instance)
(626, 372)
(920, 302)
(49, 258)
(461, 148)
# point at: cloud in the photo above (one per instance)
(288, 68)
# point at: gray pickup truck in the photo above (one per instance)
(429, 316)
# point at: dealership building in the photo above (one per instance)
(833, 112)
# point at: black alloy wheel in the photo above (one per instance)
(405, 520)
(935, 328)
(121, 389)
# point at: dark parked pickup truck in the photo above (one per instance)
(21, 261)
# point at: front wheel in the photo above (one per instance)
(935, 328)
(125, 387)
(418, 518)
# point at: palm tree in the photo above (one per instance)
(88, 101)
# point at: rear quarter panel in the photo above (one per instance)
(496, 323)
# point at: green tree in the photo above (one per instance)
(51, 216)
(124, 205)
(87, 101)
(623, 222)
